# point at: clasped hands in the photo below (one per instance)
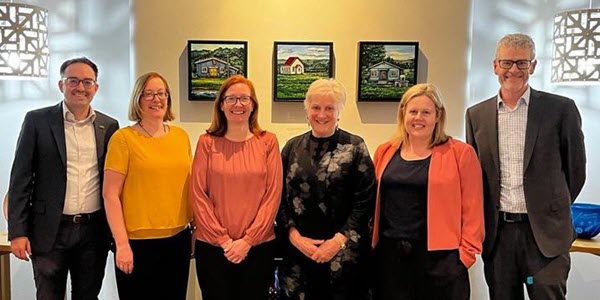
(321, 251)
(236, 251)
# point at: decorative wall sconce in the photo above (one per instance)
(24, 50)
(576, 36)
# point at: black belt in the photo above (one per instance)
(513, 218)
(81, 218)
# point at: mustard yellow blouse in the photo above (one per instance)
(157, 172)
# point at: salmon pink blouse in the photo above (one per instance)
(236, 188)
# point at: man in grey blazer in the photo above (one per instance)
(55, 206)
(532, 154)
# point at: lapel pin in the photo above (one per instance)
(101, 126)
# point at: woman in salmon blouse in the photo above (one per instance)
(146, 182)
(235, 192)
(429, 210)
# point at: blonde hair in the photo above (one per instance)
(433, 93)
(135, 111)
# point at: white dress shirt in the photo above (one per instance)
(83, 182)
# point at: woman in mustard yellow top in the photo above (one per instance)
(146, 182)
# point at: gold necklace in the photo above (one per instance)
(146, 131)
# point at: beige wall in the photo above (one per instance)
(162, 29)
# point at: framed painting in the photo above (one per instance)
(296, 65)
(386, 70)
(210, 63)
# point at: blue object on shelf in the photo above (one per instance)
(586, 219)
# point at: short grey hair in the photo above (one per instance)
(516, 40)
(326, 87)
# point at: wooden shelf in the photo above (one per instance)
(587, 246)
(4, 266)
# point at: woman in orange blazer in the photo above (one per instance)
(429, 212)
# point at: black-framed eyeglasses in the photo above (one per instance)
(521, 64)
(149, 95)
(74, 81)
(231, 100)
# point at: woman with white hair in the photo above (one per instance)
(329, 192)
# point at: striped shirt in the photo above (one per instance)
(512, 124)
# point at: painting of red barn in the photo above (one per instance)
(386, 70)
(296, 65)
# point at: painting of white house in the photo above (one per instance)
(211, 63)
(297, 65)
(293, 65)
(386, 69)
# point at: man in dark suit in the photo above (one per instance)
(532, 154)
(55, 207)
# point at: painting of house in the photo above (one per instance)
(210, 63)
(385, 72)
(297, 64)
(214, 68)
(293, 65)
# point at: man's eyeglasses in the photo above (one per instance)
(149, 95)
(74, 82)
(231, 100)
(521, 64)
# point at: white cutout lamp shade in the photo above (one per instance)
(24, 50)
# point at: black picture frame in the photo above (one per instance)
(296, 65)
(386, 70)
(210, 63)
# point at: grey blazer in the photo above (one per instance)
(38, 178)
(553, 165)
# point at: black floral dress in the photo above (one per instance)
(329, 187)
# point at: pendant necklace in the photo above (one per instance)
(146, 131)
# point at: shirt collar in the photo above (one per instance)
(524, 98)
(70, 117)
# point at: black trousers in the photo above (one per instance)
(344, 277)
(80, 249)
(407, 271)
(220, 279)
(160, 269)
(517, 260)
